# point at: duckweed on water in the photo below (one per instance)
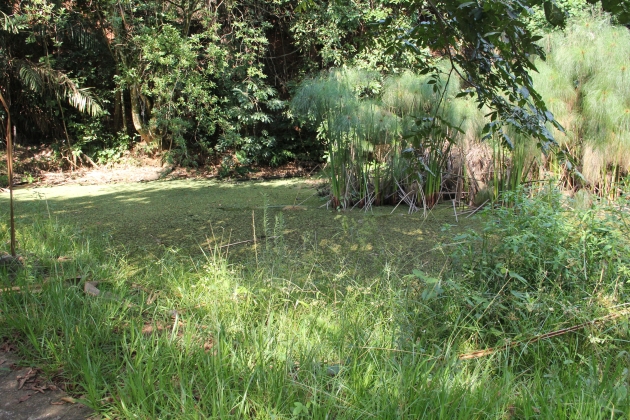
(196, 216)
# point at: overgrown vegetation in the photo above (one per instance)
(519, 310)
(412, 138)
(194, 80)
(388, 139)
(199, 80)
(291, 336)
(585, 84)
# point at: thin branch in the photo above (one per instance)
(487, 352)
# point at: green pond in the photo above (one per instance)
(195, 216)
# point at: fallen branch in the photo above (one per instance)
(487, 352)
(247, 241)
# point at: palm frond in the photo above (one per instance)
(40, 78)
(30, 77)
(11, 23)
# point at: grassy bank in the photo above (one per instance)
(301, 333)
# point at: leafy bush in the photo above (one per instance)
(541, 243)
(571, 8)
(92, 138)
(535, 267)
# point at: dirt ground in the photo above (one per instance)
(26, 394)
(36, 167)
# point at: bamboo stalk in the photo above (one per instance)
(10, 174)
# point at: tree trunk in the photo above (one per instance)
(136, 116)
(117, 110)
(123, 111)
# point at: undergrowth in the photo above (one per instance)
(295, 336)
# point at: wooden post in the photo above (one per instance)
(10, 173)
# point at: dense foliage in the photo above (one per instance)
(189, 77)
(199, 79)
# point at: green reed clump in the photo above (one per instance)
(338, 104)
(407, 137)
(585, 82)
(388, 140)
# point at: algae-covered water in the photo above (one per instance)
(203, 215)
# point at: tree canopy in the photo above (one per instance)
(491, 48)
(199, 78)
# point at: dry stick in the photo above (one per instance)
(466, 211)
(460, 180)
(10, 173)
(297, 195)
(368, 204)
(254, 229)
(401, 200)
(303, 201)
(36, 289)
(455, 211)
(404, 198)
(424, 203)
(318, 166)
(482, 353)
(246, 241)
(477, 209)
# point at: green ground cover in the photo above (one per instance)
(304, 328)
(197, 216)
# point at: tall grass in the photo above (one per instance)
(302, 337)
(351, 127)
(396, 138)
(405, 138)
